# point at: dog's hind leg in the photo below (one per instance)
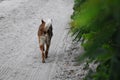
(47, 49)
(42, 50)
(39, 39)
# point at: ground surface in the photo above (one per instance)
(20, 58)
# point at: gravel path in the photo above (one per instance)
(67, 68)
(20, 58)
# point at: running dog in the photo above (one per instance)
(45, 34)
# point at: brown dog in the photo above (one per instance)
(44, 37)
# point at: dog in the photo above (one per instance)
(45, 33)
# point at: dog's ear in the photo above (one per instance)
(42, 21)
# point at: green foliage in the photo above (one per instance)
(97, 24)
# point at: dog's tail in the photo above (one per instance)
(48, 24)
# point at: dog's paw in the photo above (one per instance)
(43, 61)
(46, 56)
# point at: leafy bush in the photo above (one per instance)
(97, 23)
